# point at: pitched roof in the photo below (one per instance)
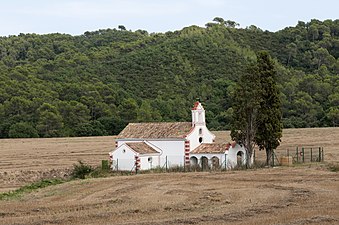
(210, 148)
(156, 130)
(141, 147)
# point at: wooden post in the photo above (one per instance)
(297, 153)
(311, 155)
(184, 163)
(322, 153)
(166, 164)
(303, 155)
(272, 158)
(319, 154)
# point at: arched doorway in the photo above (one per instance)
(204, 163)
(240, 158)
(215, 162)
(194, 161)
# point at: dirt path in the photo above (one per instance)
(267, 196)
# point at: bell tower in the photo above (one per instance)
(198, 115)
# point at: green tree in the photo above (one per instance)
(246, 103)
(22, 130)
(269, 118)
(50, 121)
(333, 116)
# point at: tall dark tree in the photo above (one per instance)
(269, 118)
(246, 103)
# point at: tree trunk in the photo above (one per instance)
(268, 157)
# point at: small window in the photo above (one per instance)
(200, 131)
(123, 151)
(200, 140)
(150, 159)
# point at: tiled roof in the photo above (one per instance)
(141, 147)
(155, 130)
(210, 148)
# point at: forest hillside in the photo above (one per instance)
(94, 84)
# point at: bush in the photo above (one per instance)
(81, 170)
(333, 167)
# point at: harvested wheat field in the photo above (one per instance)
(266, 196)
(307, 194)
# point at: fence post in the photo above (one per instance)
(297, 153)
(311, 155)
(303, 157)
(319, 154)
(273, 158)
(166, 164)
(184, 164)
(322, 153)
(253, 156)
(225, 162)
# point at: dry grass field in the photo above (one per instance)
(307, 194)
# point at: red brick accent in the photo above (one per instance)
(187, 152)
(137, 162)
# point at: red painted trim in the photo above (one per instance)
(196, 104)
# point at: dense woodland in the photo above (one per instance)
(94, 84)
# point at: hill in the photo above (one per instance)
(94, 84)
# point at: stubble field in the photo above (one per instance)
(307, 194)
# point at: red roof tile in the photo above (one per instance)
(141, 147)
(155, 130)
(210, 148)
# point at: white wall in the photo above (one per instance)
(193, 137)
(232, 155)
(125, 160)
(146, 165)
(173, 149)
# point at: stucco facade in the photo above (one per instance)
(149, 145)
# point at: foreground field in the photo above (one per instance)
(306, 194)
(27, 160)
(267, 196)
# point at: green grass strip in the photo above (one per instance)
(29, 188)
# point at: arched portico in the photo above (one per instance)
(215, 162)
(193, 161)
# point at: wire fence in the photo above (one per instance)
(182, 164)
(297, 155)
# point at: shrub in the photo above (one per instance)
(333, 167)
(80, 170)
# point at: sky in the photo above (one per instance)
(78, 16)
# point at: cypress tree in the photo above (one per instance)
(269, 118)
